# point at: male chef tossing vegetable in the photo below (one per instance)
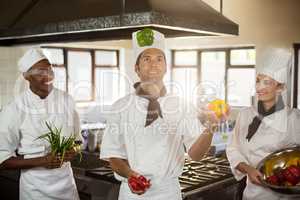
(149, 131)
(43, 175)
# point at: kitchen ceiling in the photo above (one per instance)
(35, 21)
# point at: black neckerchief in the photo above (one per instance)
(252, 128)
(153, 111)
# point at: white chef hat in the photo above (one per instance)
(275, 63)
(31, 57)
(145, 39)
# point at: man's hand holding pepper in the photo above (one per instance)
(138, 184)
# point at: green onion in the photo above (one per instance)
(60, 144)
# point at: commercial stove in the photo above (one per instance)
(208, 178)
(211, 177)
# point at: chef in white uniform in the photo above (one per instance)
(149, 131)
(23, 121)
(265, 128)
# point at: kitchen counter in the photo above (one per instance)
(99, 183)
(94, 183)
(92, 188)
(225, 189)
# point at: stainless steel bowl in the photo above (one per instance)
(277, 161)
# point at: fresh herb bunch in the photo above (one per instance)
(60, 144)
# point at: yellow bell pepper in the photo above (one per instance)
(219, 107)
(293, 161)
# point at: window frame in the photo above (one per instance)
(92, 52)
(228, 65)
(295, 82)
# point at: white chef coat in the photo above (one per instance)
(22, 122)
(277, 131)
(156, 151)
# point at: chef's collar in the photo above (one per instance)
(261, 114)
(140, 92)
(278, 120)
(153, 110)
(37, 97)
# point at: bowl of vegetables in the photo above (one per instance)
(281, 171)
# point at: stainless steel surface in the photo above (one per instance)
(203, 179)
(106, 20)
(92, 139)
(277, 161)
(207, 187)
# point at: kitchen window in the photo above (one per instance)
(227, 73)
(80, 75)
(107, 76)
(89, 75)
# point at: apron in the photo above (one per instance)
(48, 184)
(162, 190)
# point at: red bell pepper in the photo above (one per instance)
(290, 177)
(295, 171)
(139, 183)
(144, 182)
(280, 177)
(274, 180)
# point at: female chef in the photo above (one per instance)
(266, 127)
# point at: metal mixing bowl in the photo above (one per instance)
(277, 161)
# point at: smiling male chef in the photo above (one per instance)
(23, 121)
(149, 131)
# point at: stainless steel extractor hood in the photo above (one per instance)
(33, 21)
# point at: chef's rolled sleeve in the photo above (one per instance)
(9, 135)
(234, 154)
(235, 158)
(113, 143)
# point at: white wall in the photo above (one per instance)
(8, 72)
(262, 23)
